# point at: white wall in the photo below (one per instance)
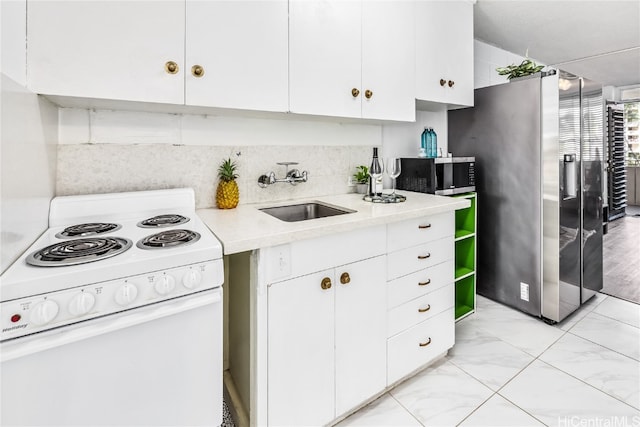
(27, 167)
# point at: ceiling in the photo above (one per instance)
(596, 39)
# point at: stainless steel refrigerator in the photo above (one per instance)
(538, 144)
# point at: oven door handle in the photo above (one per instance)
(25, 346)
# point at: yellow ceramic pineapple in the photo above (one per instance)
(227, 194)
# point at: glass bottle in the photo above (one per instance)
(375, 172)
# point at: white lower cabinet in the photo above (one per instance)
(349, 315)
(326, 343)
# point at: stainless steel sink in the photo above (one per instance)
(305, 211)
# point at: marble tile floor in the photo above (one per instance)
(511, 369)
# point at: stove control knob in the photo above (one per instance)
(126, 294)
(192, 278)
(81, 304)
(165, 284)
(44, 312)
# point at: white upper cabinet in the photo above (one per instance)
(241, 48)
(444, 52)
(106, 49)
(228, 54)
(352, 59)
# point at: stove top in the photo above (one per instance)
(78, 251)
(103, 237)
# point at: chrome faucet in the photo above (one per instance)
(292, 176)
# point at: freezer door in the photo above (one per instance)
(562, 296)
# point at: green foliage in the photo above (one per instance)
(527, 67)
(227, 171)
(362, 174)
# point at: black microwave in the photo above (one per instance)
(440, 175)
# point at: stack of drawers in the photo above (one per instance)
(420, 292)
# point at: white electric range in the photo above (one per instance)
(114, 315)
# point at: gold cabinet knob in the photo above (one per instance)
(355, 92)
(197, 71)
(443, 82)
(368, 94)
(344, 278)
(171, 67)
(326, 283)
(451, 83)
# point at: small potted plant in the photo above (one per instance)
(361, 178)
(526, 68)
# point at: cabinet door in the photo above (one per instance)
(301, 351)
(388, 60)
(360, 332)
(444, 51)
(106, 49)
(242, 48)
(325, 57)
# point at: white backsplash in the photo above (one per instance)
(104, 168)
(105, 151)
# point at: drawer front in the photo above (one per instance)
(416, 258)
(417, 231)
(419, 310)
(404, 352)
(419, 283)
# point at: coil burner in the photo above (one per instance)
(169, 239)
(160, 221)
(78, 251)
(88, 229)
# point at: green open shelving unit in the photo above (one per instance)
(465, 257)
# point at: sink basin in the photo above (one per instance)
(305, 211)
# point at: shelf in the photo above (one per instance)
(463, 234)
(465, 257)
(465, 296)
(462, 311)
(462, 272)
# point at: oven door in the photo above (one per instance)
(155, 365)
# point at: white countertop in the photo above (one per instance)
(246, 228)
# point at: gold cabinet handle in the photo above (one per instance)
(425, 226)
(326, 283)
(368, 94)
(451, 83)
(424, 283)
(424, 256)
(344, 278)
(171, 67)
(424, 310)
(424, 344)
(443, 82)
(355, 92)
(197, 71)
